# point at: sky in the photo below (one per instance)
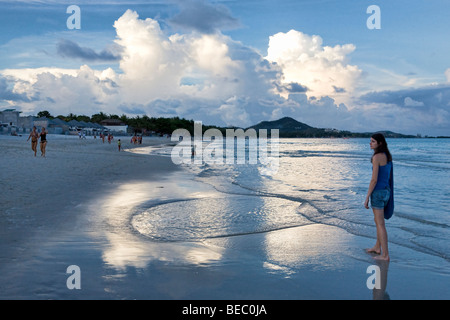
(232, 62)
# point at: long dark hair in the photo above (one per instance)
(383, 148)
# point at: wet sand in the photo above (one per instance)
(75, 207)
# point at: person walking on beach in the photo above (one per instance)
(119, 144)
(43, 136)
(381, 193)
(34, 140)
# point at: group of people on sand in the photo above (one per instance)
(136, 139)
(35, 136)
(110, 137)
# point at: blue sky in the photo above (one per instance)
(233, 62)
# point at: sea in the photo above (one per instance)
(315, 181)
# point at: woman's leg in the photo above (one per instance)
(34, 147)
(382, 237)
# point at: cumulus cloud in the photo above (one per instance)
(413, 109)
(210, 77)
(8, 93)
(210, 68)
(426, 96)
(447, 74)
(202, 76)
(324, 70)
(160, 66)
(64, 91)
(233, 112)
(367, 116)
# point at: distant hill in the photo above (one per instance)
(291, 128)
(285, 124)
(387, 134)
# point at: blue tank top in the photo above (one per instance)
(384, 173)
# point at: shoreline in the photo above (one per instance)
(41, 192)
(49, 223)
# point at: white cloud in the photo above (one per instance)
(409, 102)
(322, 69)
(413, 110)
(150, 63)
(211, 67)
(211, 54)
(62, 91)
(211, 77)
(31, 74)
(447, 74)
(233, 112)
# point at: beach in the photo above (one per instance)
(88, 205)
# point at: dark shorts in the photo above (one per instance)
(380, 198)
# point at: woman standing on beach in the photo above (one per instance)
(43, 136)
(34, 140)
(380, 193)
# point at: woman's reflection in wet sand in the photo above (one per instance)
(381, 294)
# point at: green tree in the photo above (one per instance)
(45, 113)
(71, 116)
(83, 118)
(99, 117)
(123, 118)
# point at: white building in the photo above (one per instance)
(115, 125)
(10, 117)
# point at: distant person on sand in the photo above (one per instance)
(119, 144)
(43, 136)
(381, 193)
(34, 135)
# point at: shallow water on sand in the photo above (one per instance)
(318, 181)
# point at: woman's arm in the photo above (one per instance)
(373, 182)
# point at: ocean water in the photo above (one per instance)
(322, 181)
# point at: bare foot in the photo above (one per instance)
(382, 258)
(373, 250)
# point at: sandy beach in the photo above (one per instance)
(77, 207)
